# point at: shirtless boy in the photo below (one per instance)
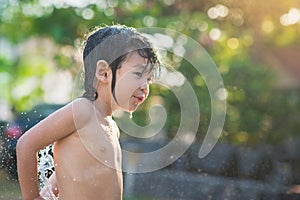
(119, 64)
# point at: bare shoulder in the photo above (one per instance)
(82, 109)
(57, 125)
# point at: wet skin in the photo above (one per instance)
(87, 154)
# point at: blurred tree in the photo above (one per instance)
(235, 33)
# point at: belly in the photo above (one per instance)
(105, 185)
(84, 173)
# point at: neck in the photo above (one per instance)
(103, 102)
(104, 107)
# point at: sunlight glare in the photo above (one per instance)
(169, 2)
(222, 10)
(203, 26)
(149, 21)
(68, 3)
(87, 13)
(222, 94)
(217, 11)
(212, 13)
(233, 43)
(215, 34)
(175, 79)
(267, 26)
(24, 88)
(163, 41)
(61, 90)
(290, 18)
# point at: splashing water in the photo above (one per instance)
(47, 192)
(46, 167)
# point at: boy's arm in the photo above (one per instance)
(55, 127)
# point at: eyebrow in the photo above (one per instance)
(140, 65)
(145, 67)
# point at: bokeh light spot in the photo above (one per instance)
(215, 34)
(233, 43)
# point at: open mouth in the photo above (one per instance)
(139, 99)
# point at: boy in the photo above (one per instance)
(119, 64)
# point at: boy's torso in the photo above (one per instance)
(88, 165)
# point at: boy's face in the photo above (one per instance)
(132, 82)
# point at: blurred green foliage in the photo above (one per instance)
(257, 111)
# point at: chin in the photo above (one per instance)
(133, 108)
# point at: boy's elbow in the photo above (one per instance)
(19, 146)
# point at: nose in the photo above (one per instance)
(145, 87)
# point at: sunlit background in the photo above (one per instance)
(255, 44)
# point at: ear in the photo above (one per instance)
(103, 71)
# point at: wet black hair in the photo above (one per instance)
(113, 44)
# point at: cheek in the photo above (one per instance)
(124, 89)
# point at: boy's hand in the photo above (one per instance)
(52, 182)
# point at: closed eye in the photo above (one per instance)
(139, 74)
(142, 74)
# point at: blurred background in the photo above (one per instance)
(255, 45)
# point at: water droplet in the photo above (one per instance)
(74, 179)
(130, 115)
